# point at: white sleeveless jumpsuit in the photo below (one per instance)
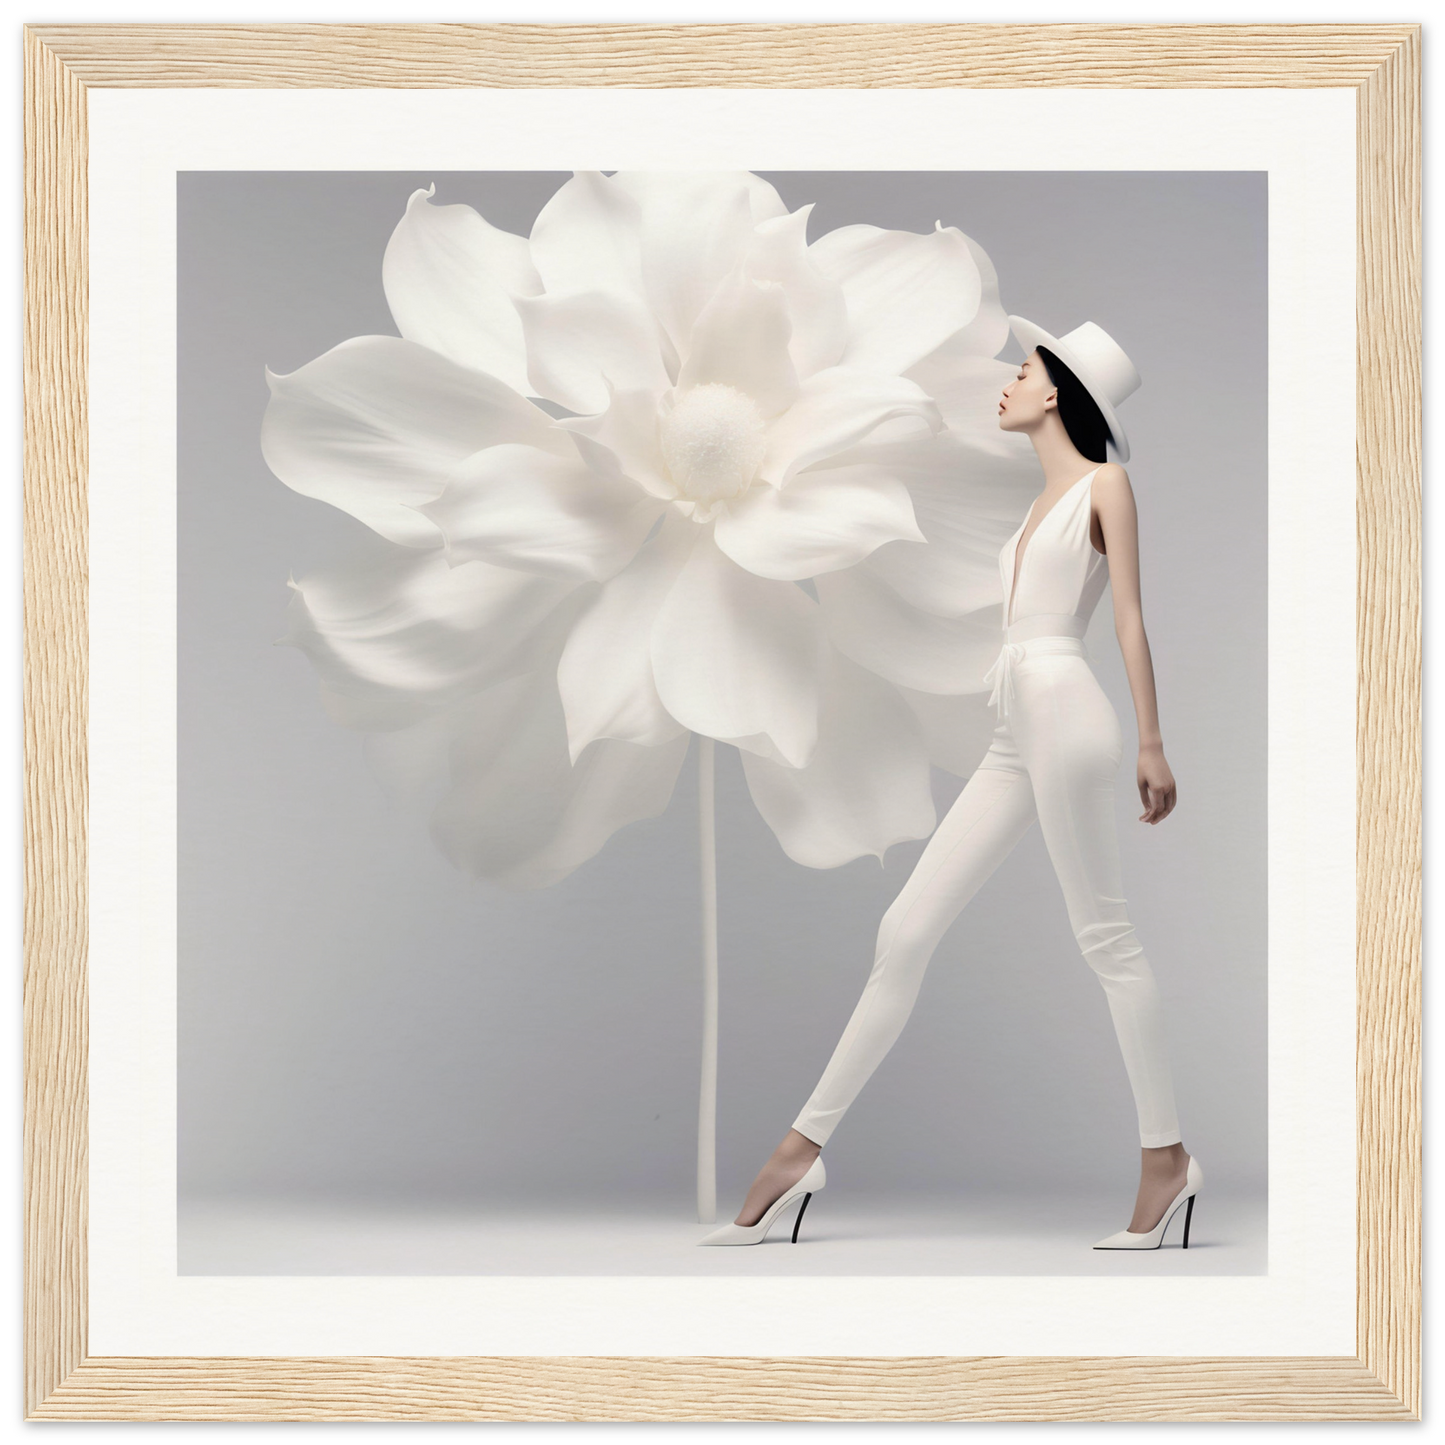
(1054, 756)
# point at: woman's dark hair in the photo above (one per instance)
(1078, 411)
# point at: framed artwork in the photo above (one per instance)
(626, 431)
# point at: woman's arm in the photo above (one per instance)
(1119, 520)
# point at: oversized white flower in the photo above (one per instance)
(662, 467)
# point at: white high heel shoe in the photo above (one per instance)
(811, 1182)
(1193, 1179)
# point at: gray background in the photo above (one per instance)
(358, 1022)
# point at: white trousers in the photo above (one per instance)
(1054, 756)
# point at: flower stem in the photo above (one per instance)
(707, 1093)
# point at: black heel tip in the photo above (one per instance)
(799, 1219)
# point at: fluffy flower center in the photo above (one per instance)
(712, 442)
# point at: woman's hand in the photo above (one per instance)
(1156, 784)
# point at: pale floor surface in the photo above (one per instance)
(995, 1235)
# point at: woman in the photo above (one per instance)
(1054, 757)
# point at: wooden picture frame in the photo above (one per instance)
(1381, 1381)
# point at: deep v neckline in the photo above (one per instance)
(1024, 537)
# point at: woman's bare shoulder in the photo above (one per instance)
(1111, 480)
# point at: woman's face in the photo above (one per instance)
(1028, 397)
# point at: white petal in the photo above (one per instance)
(740, 339)
(968, 503)
(824, 519)
(957, 731)
(778, 251)
(374, 425)
(986, 334)
(396, 636)
(411, 764)
(449, 278)
(694, 228)
(574, 341)
(906, 292)
(763, 198)
(521, 507)
(605, 674)
(614, 784)
(736, 656)
(870, 622)
(835, 409)
(516, 811)
(586, 238)
(867, 785)
(968, 389)
(628, 430)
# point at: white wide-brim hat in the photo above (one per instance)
(1097, 360)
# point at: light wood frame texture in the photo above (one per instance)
(1381, 63)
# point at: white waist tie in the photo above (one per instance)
(1042, 624)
